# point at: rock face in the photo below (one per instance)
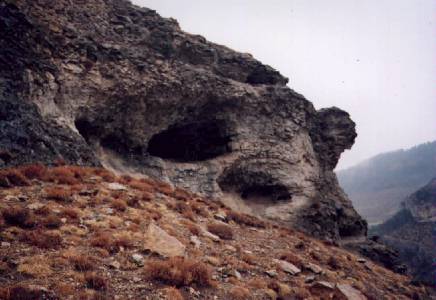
(108, 83)
(411, 233)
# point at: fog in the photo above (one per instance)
(375, 59)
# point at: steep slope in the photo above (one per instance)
(379, 185)
(108, 83)
(411, 232)
(83, 233)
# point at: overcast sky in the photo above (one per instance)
(374, 58)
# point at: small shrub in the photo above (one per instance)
(82, 263)
(52, 221)
(13, 177)
(222, 230)
(103, 240)
(24, 292)
(34, 171)
(70, 212)
(257, 283)
(58, 194)
(248, 258)
(133, 202)
(62, 175)
(239, 293)
(119, 204)
(292, 258)
(171, 293)
(185, 210)
(193, 228)
(141, 185)
(96, 281)
(42, 239)
(181, 194)
(333, 263)
(19, 216)
(179, 271)
(244, 219)
(147, 197)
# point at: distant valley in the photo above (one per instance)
(378, 185)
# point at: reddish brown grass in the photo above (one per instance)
(96, 281)
(291, 257)
(179, 271)
(63, 175)
(12, 177)
(103, 240)
(42, 239)
(192, 227)
(52, 221)
(34, 171)
(71, 212)
(239, 293)
(222, 230)
(24, 292)
(119, 204)
(19, 216)
(58, 194)
(171, 293)
(83, 263)
(244, 219)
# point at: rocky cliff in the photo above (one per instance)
(109, 83)
(411, 233)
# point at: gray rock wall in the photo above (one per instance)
(106, 82)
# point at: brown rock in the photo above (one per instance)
(159, 241)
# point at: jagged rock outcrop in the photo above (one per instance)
(411, 233)
(108, 83)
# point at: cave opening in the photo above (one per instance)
(86, 129)
(265, 192)
(191, 142)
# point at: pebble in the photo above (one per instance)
(287, 267)
(314, 268)
(115, 264)
(5, 244)
(115, 186)
(309, 279)
(271, 273)
(361, 260)
(138, 259)
(195, 241)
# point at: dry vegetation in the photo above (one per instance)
(65, 234)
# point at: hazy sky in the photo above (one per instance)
(374, 58)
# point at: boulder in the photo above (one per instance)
(159, 241)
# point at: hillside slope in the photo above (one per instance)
(83, 233)
(108, 83)
(379, 185)
(411, 232)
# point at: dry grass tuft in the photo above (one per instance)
(24, 292)
(83, 263)
(244, 219)
(192, 227)
(172, 293)
(222, 230)
(71, 212)
(19, 216)
(239, 293)
(119, 204)
(292, 258)
(58, 194)
(52, 221)
(103, 240)
(12, 177)
(96, 281)
(179, 271)
(42, 239)
(34, 171)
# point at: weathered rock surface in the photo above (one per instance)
(159, 241)
(108, 83)
(411, 233)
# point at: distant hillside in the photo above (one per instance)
(378, 185)
(410, 232)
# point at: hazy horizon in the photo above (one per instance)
(375, 59)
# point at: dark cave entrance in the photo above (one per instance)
(192, 142)
(269, 193)
(86, 129)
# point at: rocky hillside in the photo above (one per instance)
(379, 185)
(411, 232)
(84, 233)
(107, 83)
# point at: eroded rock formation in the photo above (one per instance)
(106, 82)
